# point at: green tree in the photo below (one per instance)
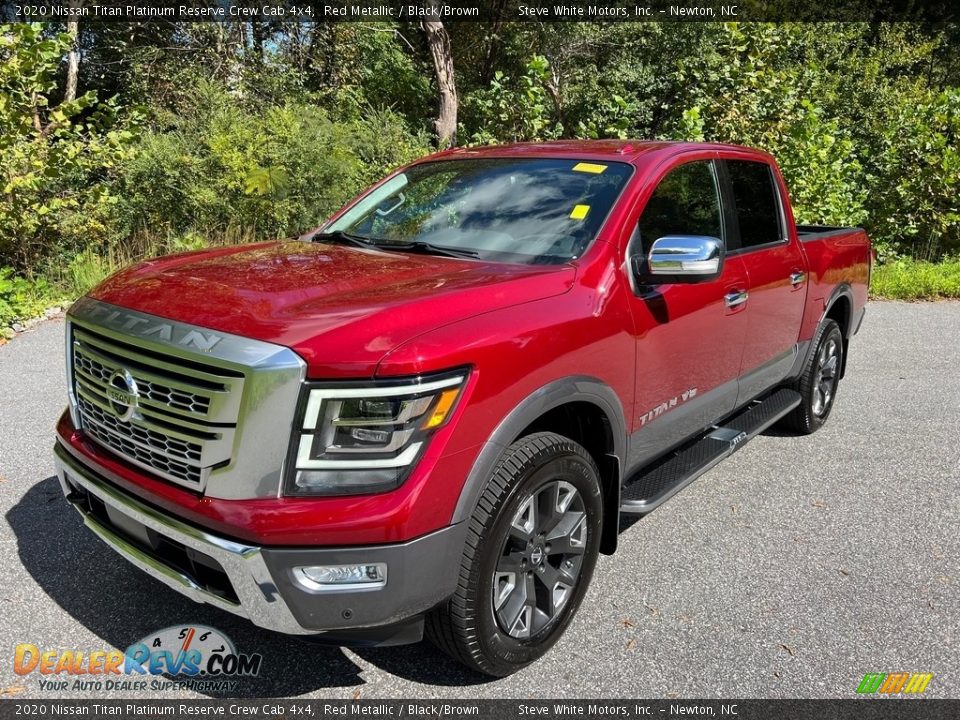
(55, 158)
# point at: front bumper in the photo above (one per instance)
(257, 582)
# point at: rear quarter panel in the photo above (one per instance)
(838, 262)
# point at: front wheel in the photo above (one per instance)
(531, 549)
(818, 382)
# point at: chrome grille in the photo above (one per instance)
(191, 402)
(147, 438)
(185, 415)
(155, 450)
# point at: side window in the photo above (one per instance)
(755, 201)
(686, 202)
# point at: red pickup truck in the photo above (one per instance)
(429, 414)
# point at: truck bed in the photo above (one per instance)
(815, 232)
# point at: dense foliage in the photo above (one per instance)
(188, 134)
(57, 159)
(217, 168)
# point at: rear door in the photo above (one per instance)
(776, 273)
(689, 335)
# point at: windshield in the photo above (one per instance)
(508, 209)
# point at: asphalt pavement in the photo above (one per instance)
(790, 570)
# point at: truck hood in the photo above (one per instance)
(340, 308)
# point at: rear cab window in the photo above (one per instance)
(756, 204)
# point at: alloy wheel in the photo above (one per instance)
(540, 561)
(826, 377)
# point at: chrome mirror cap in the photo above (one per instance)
(694, 256)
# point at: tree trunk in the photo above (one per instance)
(73, 61)
(35, 112)
(438, 40)
(493, 44)
(258, 40)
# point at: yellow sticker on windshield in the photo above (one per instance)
(589, 168)
(579, 212)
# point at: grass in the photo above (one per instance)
(908, 279)
(26, 298)
(22, 299)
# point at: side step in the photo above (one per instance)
(656, 483)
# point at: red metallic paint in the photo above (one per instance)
(351, 312)
(341, 308)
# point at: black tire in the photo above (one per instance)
(818, 384)
(467, 626)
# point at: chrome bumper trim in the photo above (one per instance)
(260, 599)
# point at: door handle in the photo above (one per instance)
(735, 298)
(797, 277)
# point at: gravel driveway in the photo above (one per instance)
(789, 570)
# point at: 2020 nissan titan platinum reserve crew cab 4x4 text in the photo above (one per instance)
(429, 414)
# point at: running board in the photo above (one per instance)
(656, 483)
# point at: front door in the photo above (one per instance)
(689, 335)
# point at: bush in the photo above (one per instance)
(907, 279)
(21, 299)
(56, 160)
(85, 271)
(512, 109)
(749, 88)
(917, 199)
(220, 169)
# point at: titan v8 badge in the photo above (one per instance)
(667, 405)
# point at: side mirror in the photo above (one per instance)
(680, 259)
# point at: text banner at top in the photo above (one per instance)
(143, 709)
(477, 11)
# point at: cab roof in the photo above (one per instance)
(611, 150)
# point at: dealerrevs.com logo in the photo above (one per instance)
(898, 683)
(194, 656)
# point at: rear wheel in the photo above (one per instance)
(818, 382)
(531, 549)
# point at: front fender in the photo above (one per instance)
(546, 398)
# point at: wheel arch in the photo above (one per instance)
(839, 308)
(583, 408)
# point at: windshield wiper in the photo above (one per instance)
(346, 238)
(418, 246)
(425, 248)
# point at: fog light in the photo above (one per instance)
(369, 576)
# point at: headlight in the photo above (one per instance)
(355, 440)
